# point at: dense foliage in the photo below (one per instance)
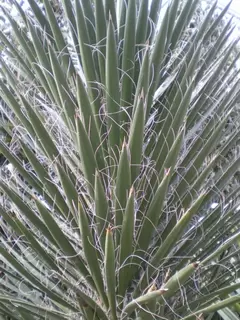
(121, 197)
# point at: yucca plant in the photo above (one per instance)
(122, 201)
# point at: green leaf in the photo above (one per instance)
(214, 307)
(68, 102)
(102, 210)
(110, 275)
(123, 184)
(88, 160)
(112, 88)
(40, 17)
(150, 220)
(142, 21)
(110, 12)
(101, 32)
(90, 252)
(136, 137)
(90, 123)
(46, 184)
(126, 244)
(86, 55)
(128, 60)
(59, 39)
(35, 282)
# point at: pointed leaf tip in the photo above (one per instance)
(153, 287)
(131, 191)
(167, 171)
(124, 144)
(142, 95)
(109, 230)
(195, 264)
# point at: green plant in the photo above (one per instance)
(128, 137)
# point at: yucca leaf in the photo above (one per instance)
(90, 123)
(216, 306)
(20, 10)
(209, 145)
(227, 313)
(218, 20)
(155, 8)
(13, 103)
(91, 253)
(143, 82)
(126, 244)
(102, 210)
(31, 308)
(69, 189)
(170, 241)
(43, 21)
(172, 127)
(46, 66)
(33, 218)
(198, 185)
(56, 197)
(62, 240)
(67, 101)
(157, 53)
(182, 21)
(221, 41)
(59, 39)
(142, 22)
(34, 243)
(127, 60)
(216, 295)
(110, 275)
(7, 74)
(71, 19)
(27, 313)
(30, 53)
(142, 300)
(156, 203)
(209, 86)
(101, 32)
(179, 278)
(171, 158)
(26, 275)
(136, 136)
(44, 137)
(176, 232)
(208, 224)
(173, 10)
(22, 38)
(112, 88)
(218, 108)
(228, 171)
(88, 160)
(24, 64)
(84, 301)
(154, 212)
(88, 11)
(224, 246)
(167, 290)
(110, 11)
(178, 101)
(86, 55)
(17, 164)
(123, 184)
